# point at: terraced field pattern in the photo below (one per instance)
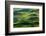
(25, 17)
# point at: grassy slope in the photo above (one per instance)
(26, 18)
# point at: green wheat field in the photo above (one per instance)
(25, 17)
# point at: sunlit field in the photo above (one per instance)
(25, 17)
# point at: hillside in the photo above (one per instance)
(26, 17)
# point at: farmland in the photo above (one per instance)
(23, 17)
